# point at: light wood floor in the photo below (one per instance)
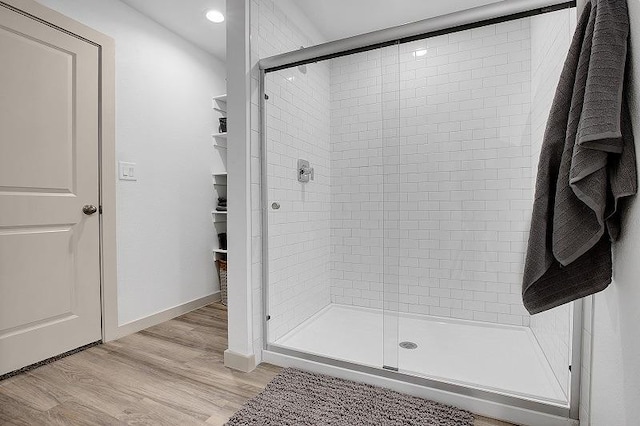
(170, 374)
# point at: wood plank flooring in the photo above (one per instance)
(169, 374)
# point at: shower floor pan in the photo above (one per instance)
(495, 357)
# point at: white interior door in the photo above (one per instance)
(49, 248)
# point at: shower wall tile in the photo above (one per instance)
(299, 252)
(298, 117)
(551, 35)
(431, 154)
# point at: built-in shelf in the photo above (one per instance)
(219, 217)
(220, 143)
(219, 179)
(219, 105)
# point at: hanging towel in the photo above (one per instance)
(587, 164)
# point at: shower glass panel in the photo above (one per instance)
(297, 117)
(388, 155)
(472, 110)
(332, 241)
(400, 243)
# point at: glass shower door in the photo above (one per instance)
(473, 109)
(296, 162)
(391, 202)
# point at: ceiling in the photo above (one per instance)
(337, 19)
(334, 19)
(186, 18)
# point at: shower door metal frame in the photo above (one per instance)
(459, 21)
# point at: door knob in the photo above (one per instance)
(89, 209)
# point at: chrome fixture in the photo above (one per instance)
(305, 173)
(302, 68)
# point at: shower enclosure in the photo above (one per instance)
(398, 185)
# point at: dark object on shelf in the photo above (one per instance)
(222, 273)
(222, 128)
(222, 239)
(222, 204)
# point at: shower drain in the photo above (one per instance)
(408, 345)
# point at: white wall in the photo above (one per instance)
(551, 35)
(615, 363)
(164, 122)
(461, 174)
(585, 368)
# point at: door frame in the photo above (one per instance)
(106, 150)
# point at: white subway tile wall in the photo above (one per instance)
(460, 170)
(298, 117)
(425, 157)
(551, 35)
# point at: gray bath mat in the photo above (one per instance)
(296, 397)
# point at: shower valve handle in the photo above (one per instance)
(307, 171)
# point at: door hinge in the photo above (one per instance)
(266, 96)
(99, 209)
(569, 368)
(268, 317)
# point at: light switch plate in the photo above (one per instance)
(127, 171)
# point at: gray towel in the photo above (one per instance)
(587, 164)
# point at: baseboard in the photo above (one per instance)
(240, 362)
(166, 315)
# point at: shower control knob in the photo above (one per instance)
(275, 205)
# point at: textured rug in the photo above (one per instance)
(296, 397)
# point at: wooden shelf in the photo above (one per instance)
(220, 98)
(220, 251)
(220, 110)
(217, 212)
(223, 174)
(220, 135)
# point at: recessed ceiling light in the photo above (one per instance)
(215, 16)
